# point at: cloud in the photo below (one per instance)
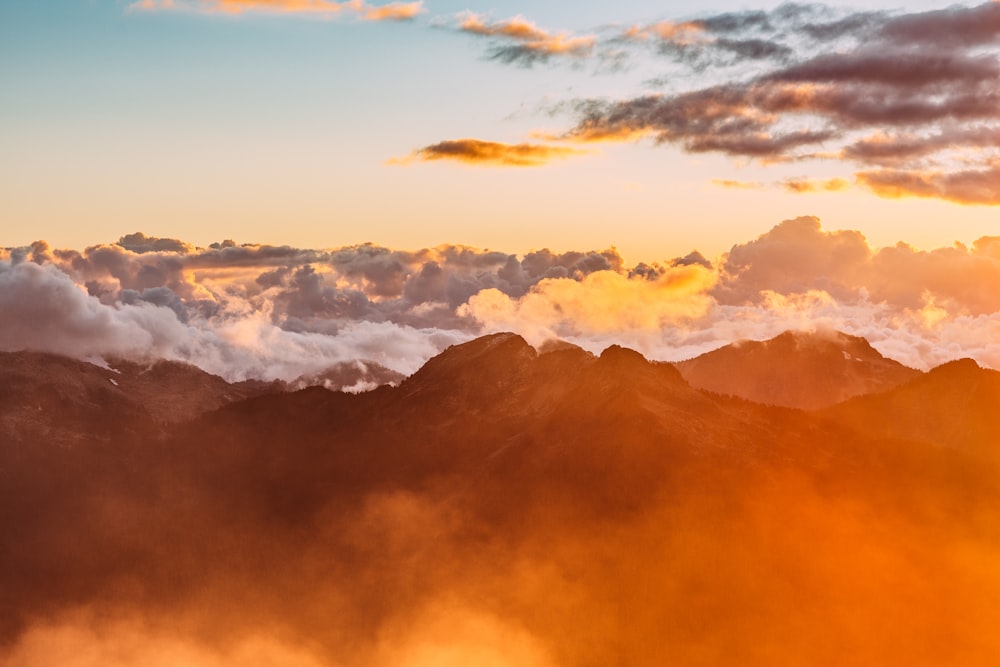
(520, 41)
(393, 11)
(794, 185)
(970, 186)
(913, 94)
(737, 185)
(491, 153)
(257, 311)
(804, 185)
(604, 302)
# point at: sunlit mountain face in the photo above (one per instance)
(378, 333)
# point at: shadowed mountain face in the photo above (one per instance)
(503, 506)
(954, 405)
(796, 370)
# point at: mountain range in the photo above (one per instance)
(796, 501)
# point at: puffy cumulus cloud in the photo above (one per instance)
(393, 11)
(798, 256)
(519, 41)
(46, 310)
(795, 256)
(603, 303)
(492, 153)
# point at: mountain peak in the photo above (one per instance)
(798, 369)
(963, 366)
(481, 366)
(623, 357)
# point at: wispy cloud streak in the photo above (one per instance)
(478, 152)
(520, 41)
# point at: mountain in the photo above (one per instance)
(502, 505)
(55, 397)
(796, 369)
(954, 405)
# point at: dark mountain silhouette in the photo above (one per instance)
(503, 506)
(806, 370)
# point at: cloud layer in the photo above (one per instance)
(908, 103)
(258, 311)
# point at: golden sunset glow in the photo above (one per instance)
(376, 333)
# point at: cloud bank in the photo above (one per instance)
(259, 311)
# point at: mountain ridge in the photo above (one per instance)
(797, 369)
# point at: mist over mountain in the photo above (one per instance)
(504, 505)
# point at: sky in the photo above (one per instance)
(518, 126)
(265, 188)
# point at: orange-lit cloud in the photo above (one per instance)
(972, 186)
(685, 32)
(393, 11)
(737, 185)
(915, 94)
(802, 185)
(528, 43)
(601, 303)
(794, 185)
(490, 153)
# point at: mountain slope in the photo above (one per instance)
(954, 405)
(796, 369)
(510, 507)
